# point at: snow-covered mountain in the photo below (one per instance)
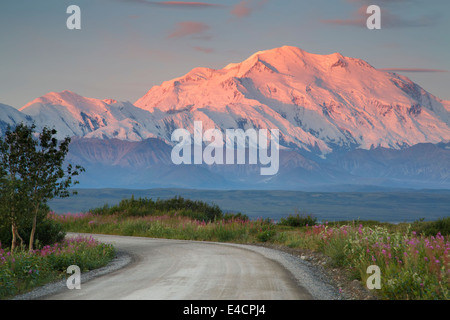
(319, 102)
(76, 116)
(9, 117)
(330, 110)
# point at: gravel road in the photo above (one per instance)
(160, 269)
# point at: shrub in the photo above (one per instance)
(47, 232)
(431, 228)
(141, 207)
(266, 235)
(235, 216)
(298, 220)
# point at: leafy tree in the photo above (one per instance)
(32, 173)
(13, 204)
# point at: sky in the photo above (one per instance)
(125, 47)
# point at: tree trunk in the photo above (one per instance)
(33, 231)
(12, 217)
(20, 238)
(14, 239)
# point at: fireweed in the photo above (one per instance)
(412, 266)
(22, 270)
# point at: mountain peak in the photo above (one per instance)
(54, 98)
(271, 56)
(319, 101)
(290, 60)
(281, 51)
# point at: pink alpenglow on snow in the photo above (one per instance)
(318, 103)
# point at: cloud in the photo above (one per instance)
(247, 7)
(188, 28)
(241, 9)
(358, 19)
(177, 4)
(411, 70)
(388, 19)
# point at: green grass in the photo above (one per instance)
(169, 226)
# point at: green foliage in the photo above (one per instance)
(47, 232)
(431, 228)
(412, 266)
(25, 270)
(266, 235)
(298, 220)
(335, 249)
(235, 216)
(31, 173)
(8, 284)
(142, 207)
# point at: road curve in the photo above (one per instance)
(162, 269)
